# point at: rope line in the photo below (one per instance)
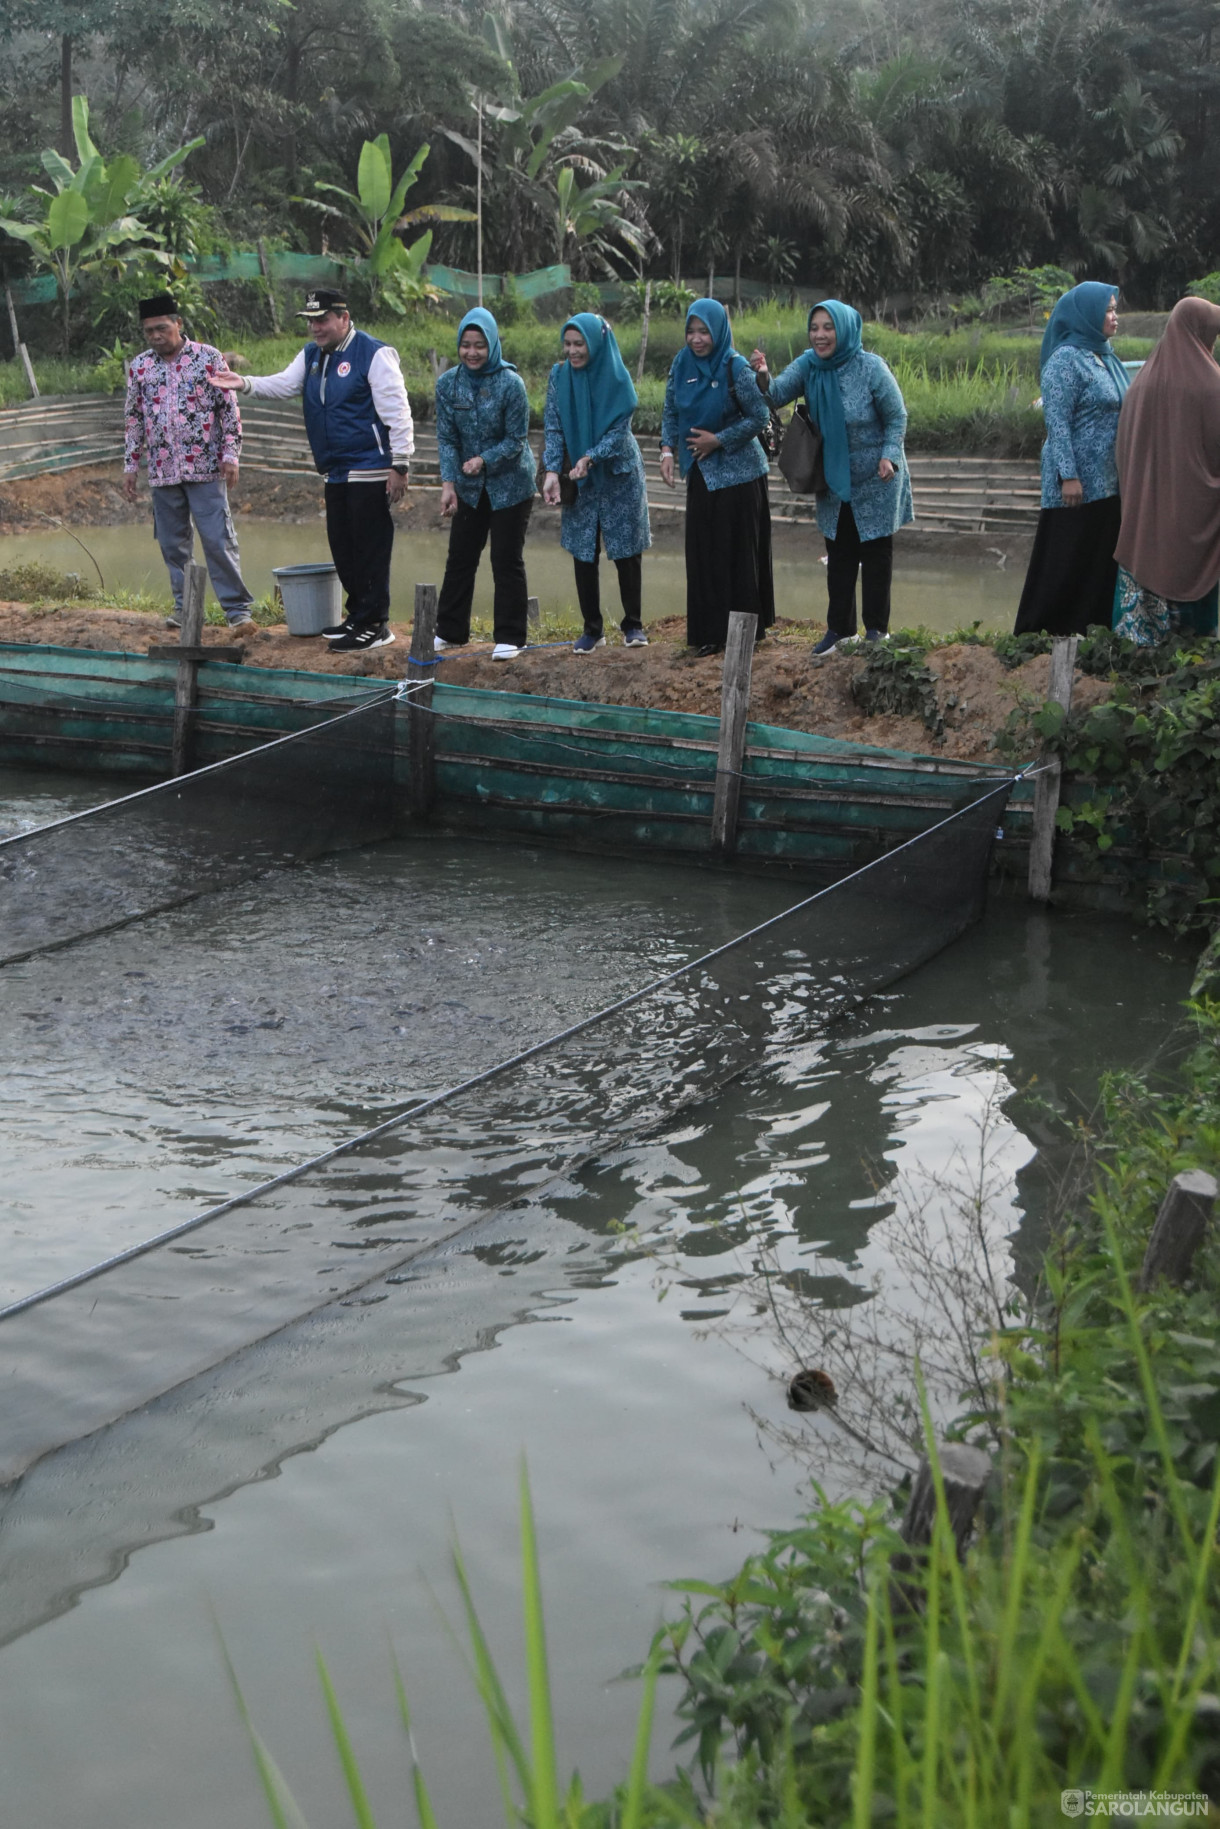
(132, 1252)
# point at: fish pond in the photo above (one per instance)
(575, 1306)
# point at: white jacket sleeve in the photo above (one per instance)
(283, 386)
(390, 399)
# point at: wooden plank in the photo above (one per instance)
(1049, 780)
(734, 716)
(421, 725)
(194, 584)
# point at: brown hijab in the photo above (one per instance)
(1168, 454)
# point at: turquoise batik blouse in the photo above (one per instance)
(614, 496)
(488, 419)
(876, 419)
(740, 459)
(1080, 403)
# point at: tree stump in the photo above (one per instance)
(1180, 1228)
(965, 1472)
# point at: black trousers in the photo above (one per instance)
(630, 589)
(360, 531)
(847, 554)
(467, 538)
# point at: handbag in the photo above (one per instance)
(569, 490)
(800, 455)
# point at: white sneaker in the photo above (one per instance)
(504, 650)
(439, 644)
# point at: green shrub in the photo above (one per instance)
(35, 582)
(895, 682)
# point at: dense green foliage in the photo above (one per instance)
(962, 396)
(1142, 766)
(871, 150)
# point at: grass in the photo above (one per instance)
(969, 391)
(44, 589)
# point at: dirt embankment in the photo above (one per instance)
(975, 693)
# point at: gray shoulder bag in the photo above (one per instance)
(800, 455)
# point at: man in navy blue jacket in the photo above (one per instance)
(358, 422)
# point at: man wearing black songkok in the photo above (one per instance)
(191, 439)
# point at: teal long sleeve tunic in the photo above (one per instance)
(1080, 404)
(488, 419)
(613, 498)
(876, 418)
(740, 459)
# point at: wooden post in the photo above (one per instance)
(20, 352)
(734, 714)
(1180, 1228)
(194, 584)
(1047, 784)
(533, 613)
(644, 323)
(264, 267)
(964, 1471)
(28, 366)
(421, 729)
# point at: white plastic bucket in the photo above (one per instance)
(312, 597)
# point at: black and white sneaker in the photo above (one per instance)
(379, 636)
(336, 630)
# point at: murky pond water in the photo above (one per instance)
(940, 593)
(304, 1493)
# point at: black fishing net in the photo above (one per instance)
(96, 1346)
(323, 789)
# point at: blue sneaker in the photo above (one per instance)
(586, 643)
(875, 634)
(635, 638)
(828, 643)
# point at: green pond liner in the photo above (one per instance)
(548, 770)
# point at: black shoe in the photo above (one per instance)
(335, 630)
(710, 647)
(379, 636)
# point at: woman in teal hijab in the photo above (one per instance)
(1079, 322)
(1069, 585)
(712, 422)
(487, 485)
(590, 399)
(857, 405)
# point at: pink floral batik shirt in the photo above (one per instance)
(185, 426)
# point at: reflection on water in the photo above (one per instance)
(942, 593)
(157, 1067)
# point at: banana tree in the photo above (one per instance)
(593, 218)
(375, 217)
(86, 217)
(533, 134)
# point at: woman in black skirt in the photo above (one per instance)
(713, 416)
(1069, 586)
